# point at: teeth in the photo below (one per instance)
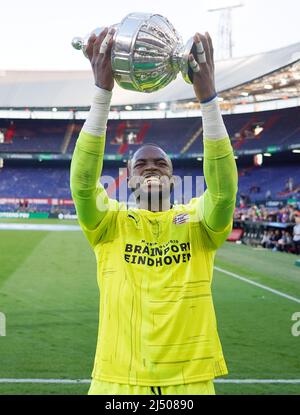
(152, 179)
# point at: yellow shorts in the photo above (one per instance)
(107, 388)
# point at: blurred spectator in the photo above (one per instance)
(289, 186)
(285, 243)
(292, 213)
(274, 238)
(268, 195)
(283, 216)
(265, 239)
(296, 237)
(23, 205)
(244, 200)
(254, 189)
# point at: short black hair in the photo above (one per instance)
(151, 145)
(147, 145)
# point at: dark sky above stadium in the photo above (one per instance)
(37, 34)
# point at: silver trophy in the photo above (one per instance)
(147, 52)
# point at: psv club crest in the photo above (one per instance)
(181, 218)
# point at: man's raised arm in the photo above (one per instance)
(87, 160)
(220, 169)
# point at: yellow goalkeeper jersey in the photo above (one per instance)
(157, 324)
(157, 320)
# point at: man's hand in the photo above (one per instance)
(203, 67)
(99, 53)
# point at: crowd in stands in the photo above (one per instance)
(262, 213)
(274, 217)
(277, 240)
(285, 238)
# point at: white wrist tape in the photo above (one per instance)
(96, 121)
(194, 65)
(201, 52)
(212, 120)
(105, 42)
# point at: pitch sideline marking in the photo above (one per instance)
(264, 287)
(39, 227)
(88, 381)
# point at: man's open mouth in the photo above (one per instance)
(151, 179)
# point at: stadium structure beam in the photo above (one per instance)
(225, 29)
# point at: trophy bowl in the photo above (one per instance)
(147, 53)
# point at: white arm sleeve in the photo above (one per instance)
(213, 124)
(96, 121)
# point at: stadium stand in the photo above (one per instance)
(35, 136)
(257, 181)
(248, 132)
(33, 182)
(42, 187)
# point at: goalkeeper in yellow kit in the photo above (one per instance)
(157, 325)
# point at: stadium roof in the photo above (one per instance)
(72, 89)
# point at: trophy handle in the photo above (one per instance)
(80, 43)
(185, 68)
(77, 43)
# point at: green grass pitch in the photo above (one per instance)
(49, 294)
